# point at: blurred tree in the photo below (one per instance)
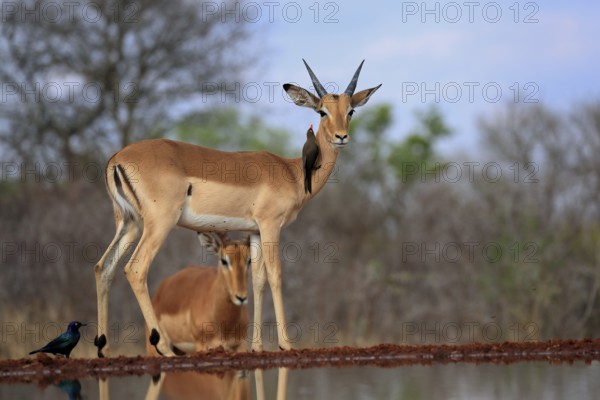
(93, 76)
(545, 213)
(415, 153)
(365, 160)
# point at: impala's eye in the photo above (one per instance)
(351, 113)
(249, 262)
(322, 113)
(224, 262)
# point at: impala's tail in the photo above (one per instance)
(121, 190)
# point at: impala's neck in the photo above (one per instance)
(221, 299)
(327, 159)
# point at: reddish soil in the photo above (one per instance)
(46, 369)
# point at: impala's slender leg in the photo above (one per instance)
(259, 384)
(259, 278)
(127, 233)
(136, 272)
(103, 389)
(270, 249)
(282, 380)
(155, 386)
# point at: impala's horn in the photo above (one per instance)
(352, 85)
(318, 87)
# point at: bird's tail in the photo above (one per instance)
(307, 182)
(34, 351)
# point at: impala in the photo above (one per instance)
(157, 184)
(202, 308)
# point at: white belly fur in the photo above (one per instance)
(186, 347)
(204, 222)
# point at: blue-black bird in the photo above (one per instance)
(65, 343)
(310, 153)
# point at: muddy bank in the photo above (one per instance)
(47, 369)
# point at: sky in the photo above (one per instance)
(468, 58)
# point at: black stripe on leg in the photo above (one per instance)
(154, 339)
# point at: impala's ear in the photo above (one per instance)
(211, 241)
(301, 97)
(361, 98)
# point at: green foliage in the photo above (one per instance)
(374, 121)
(227, 129)
(367, 131)
(416, 152)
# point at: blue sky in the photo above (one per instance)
(547, 51)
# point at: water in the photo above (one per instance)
(533, 380)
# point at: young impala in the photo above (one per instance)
(157, 184)
(203, 308)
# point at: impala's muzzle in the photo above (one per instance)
(341, 139)
(240, 300)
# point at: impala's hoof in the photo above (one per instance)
(100, 342)
(154, 339)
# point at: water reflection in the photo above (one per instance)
(72, 388)
(457, 381)
(231, 385)
(187, 385)
(282, 379)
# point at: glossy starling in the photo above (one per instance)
(310, 153)
(65, 343)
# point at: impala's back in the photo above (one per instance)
(200, 308)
